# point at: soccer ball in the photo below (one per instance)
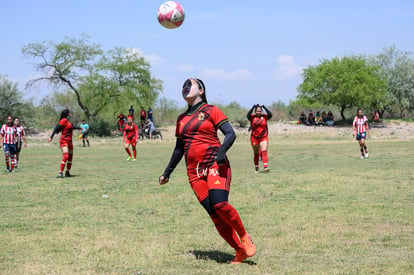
(171, 14)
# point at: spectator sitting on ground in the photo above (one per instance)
(318, 119)
(311, 118)
(302, 118)
(324, 118)
(330, 119)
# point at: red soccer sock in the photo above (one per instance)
(135, 152)
(264, 158)
(69, 163)
(256, 159)
(128, 152)
(13, 161)
(63, 163)
(229, 214)
(6, 158)
(226, 232)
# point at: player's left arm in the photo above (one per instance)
(269, 113)
(366, 124)
(229, 138)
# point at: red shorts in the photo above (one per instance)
(132, 141)
(257, 141)
(215, 177)
(66, 143)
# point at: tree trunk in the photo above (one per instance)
(78, 99)
(342, 112)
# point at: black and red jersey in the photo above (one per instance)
(259, 126)
(131, 131)
(198, 132)
(67, 130)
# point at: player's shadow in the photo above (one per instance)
(214, 255)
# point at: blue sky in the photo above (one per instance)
(245, 51)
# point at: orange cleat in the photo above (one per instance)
(240, 257)
(248, 245)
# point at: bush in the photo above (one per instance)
(101, 128)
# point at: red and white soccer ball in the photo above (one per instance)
(171, 14)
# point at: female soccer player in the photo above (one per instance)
(360, 129)
(21, 136)
(8, 137)
(65, 142)
(208, 168)
(131, 137)
(259, 136)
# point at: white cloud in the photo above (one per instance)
(153, 59)
(220, 74)
(287, 68)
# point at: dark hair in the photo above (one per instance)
(64, 113)
(359, 109)
(201, 85)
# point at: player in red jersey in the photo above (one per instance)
(8, 137)
(65, 142)
(259, 136)
(361, 131)
(131, 137)
(208, 168)
(121, 122)
(21, 136)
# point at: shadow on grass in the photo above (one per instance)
(218, 256)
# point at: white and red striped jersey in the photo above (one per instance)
(20, 133)
(9, 134)
(360, 124)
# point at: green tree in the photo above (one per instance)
(12, 103)
(397, 69)
(344, 82)
(99, 81)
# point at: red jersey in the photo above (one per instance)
(20, 133)
(259, 126)
(142, 113)
(131, 131)
(198, 132)
(9, 134)
(67, 130)
(360, 124)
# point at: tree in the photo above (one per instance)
(344, 82)
(397, 69)
(98, 80)
(11, 101)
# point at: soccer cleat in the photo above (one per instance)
(134, 160)
(67, 174)
(366, 155)
(7, 170)
(129, 158)
(256, 171)
(266, 169)
(362, 157)
(248, 244)
(240, 257)
(60, 175)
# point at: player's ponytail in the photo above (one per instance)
(64, 113)
(201, 85)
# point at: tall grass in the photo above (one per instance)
(321, 210)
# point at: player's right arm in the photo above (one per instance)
(353, 127)
(57, 129)
(175, 159)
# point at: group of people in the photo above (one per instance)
(13, 138)
(318, 119)
(208, 168)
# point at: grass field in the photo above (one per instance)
(321, 210)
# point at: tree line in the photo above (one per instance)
(96, 84)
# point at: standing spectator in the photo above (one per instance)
(65, 142)
(208, 168)
(360, 130)
(85, 131)
(8, 137)
(143, 116)
(131, 138)
(131, 111)
(21, 136)
(259, 135)
(149, 113)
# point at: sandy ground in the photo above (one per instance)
(388, 130)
